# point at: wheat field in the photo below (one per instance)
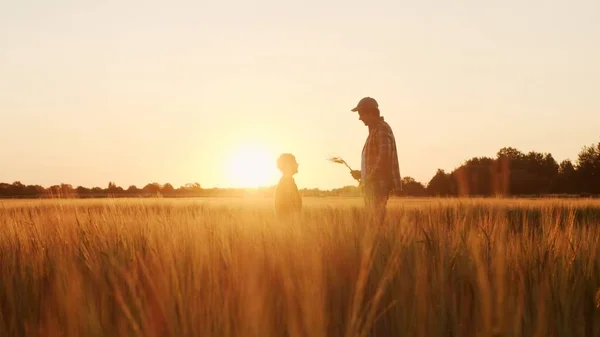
(228, 267)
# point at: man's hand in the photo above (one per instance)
(356, 174)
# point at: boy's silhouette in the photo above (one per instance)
(287, 197)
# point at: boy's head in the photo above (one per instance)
(287, 164)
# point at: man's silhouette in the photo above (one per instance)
(379, 175)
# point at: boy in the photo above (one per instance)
(287, 197)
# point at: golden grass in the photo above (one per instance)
(224, 267)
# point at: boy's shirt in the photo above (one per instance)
(287, 197)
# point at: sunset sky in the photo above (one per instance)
(189, 91)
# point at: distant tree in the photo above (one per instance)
(152, 188)
(66, 187)
(191, 187)
(566, 167)
(97, 191)
(510, 153)
(531, 173)
(510, 164)
(132, 189)
(475, 177)
(440, 185)
(588, 168)
(14, 189)
(113, 188)
(567, 181)
(55, 190)
(67, 190)
(18, 188)
(411, 187)
(82, 191)
(539, 174)
(5, 189)
(346, 191)
(167, 189)
(34, 191)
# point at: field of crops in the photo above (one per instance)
(228, 267)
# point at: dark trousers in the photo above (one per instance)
(376, 198)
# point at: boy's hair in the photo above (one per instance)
(284, 160)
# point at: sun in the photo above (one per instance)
(251, 167)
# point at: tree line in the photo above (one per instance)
(515, 173)
(510, 173)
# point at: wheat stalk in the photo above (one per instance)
(339, 160)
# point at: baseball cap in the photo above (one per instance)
(366, 102)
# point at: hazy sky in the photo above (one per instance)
(142, 91)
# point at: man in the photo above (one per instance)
(379, 175)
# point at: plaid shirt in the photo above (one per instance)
(381, 171)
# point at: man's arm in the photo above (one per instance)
(356, 174)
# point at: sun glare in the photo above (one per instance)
(251, 168)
